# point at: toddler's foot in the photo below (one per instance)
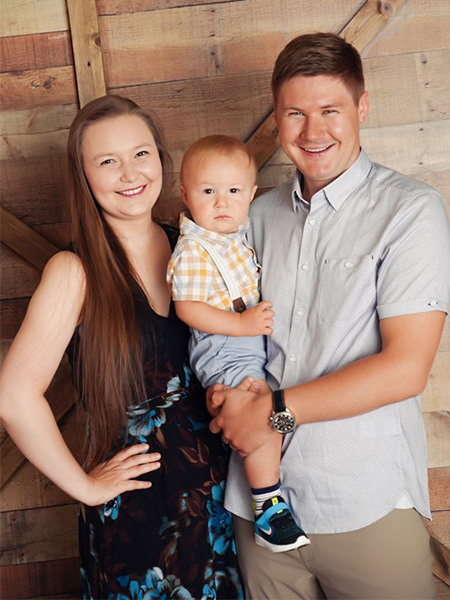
(276, 529)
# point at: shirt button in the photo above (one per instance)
(433, 303)
(305, 267)
(292, 358)
(312, 221)
(348, 264)
(300, 312)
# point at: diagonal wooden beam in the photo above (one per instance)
(366, 24)
(24, 240)
(87, 51)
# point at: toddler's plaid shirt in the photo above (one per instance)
(192, 274)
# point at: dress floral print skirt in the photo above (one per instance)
(175, 539)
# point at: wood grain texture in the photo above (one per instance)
(18, 277)
(13, 313)
(415, 80)
(24, 240)
(204, 40)
(442, 589)
(37, 87)
(439, 484)
(56, 578)
(436, 396)
(437, 427)
(229, 104)
(39, 534)
(21, 18)
(407, 33)
(86, 44)
(369, 21)
(34, 189)
(38, 120)
(37, 51)
(441, 561)
(114, 7)
(410, 148)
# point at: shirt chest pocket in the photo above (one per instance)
(347, 289)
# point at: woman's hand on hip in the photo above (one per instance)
(118, 474)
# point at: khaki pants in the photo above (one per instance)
(387, 560)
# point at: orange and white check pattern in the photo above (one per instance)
(192, 274)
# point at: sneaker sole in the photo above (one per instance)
(299, 542)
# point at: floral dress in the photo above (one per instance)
(175, 539)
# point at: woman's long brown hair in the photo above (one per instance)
(108, 363)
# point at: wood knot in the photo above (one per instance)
(386, 8)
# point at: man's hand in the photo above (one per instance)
(243, 418)
(249, 384)
(257, 320)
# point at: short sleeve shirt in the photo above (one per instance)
(373, 244)
(192, 274)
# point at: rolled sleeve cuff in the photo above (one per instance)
(411, 307)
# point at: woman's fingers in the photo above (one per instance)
(128, 463)
(133, 450)
(120, 473)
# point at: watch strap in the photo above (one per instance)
(279, 404)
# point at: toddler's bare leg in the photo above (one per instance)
(262, 467)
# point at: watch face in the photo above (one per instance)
(283, 422)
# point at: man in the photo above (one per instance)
(355, 258)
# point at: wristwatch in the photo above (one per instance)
(282, 420)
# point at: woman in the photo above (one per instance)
(152, 523)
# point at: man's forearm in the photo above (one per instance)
(398, 372)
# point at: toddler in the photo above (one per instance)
(214, 280)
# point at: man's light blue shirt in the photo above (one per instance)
(372, 244)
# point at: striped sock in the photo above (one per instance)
(260, 495)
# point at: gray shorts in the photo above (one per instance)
(226, 359)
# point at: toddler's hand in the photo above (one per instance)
(214, 407)
(258, 320)
(257, 386)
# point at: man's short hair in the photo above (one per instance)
(319, 54)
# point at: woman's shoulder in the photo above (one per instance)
(65, 270)
(65, 260)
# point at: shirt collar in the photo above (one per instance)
(340, 188)
(188, 226)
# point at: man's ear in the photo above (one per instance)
(363, 106)
(274, 115)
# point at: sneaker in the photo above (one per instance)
(276, 529)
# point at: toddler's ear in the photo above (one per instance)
(255, 187)
(183, 194)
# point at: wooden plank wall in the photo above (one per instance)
(204, 66)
